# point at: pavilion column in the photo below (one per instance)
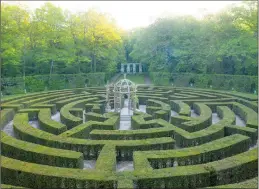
(140, 68)
(128, 68)
(134, 68)
(122, 68)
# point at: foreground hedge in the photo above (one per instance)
(229, 170)
(31, 175)
(90, 148)
(212, 151)
(6, 115)
(250, 183)
(35, 153)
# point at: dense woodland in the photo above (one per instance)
(49, 37)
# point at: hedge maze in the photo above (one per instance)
(181, 138)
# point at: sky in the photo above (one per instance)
(132, 14)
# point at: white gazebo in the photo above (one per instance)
(123, 90)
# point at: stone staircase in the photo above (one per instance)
(125, 118)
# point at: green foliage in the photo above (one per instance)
(52, 40)
(49, 125)
(220, 43)
(213, 156)
(242, 83)
(6, 116)
(160, 78)
(39, 154)
(55, 82)
(34, 84)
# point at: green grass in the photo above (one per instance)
(138, 79)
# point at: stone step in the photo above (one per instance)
(125, 118)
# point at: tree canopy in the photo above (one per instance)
(50, 39)
(72, 43)
(223, 43)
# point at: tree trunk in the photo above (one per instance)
(78, 65)
(24, 73)
(92, 63)
(51, 67)
(24, 43)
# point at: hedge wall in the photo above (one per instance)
(160, 78)
(55, 82)
(242, 83)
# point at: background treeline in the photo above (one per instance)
(221, 43)
(88, 42)
(73, 43)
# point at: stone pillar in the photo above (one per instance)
(122, 68)
(140, 68)
(134, 68)
(128, 68)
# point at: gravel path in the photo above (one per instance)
(147, 80)
(114, 78)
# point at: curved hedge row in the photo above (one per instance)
(166, 150)
(35, 153)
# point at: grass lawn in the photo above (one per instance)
(138, 79)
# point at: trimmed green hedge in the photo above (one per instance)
(247, 114)
(33, 175)
(212, 151)
(229, 170)
(240, 83)
(70, 120)
(180, 107)
(48, 97)
(83, 130)
(195, 124)
(52, 107)
(160, 78)
(61, 103)
(249, 183)
(106, 161)
(216, 131)
(5, 186)
(57, 81)
(247, 131)
(32, 96)
(36, 153)
(90, 148)
(125, 184)
(222, 93)
(130, 134)
(158, 109)
(15, 107)
(143, 99)
(49, 125)
(7, 115)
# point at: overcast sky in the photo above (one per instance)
(131, 14)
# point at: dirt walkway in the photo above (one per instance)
(114, 78)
